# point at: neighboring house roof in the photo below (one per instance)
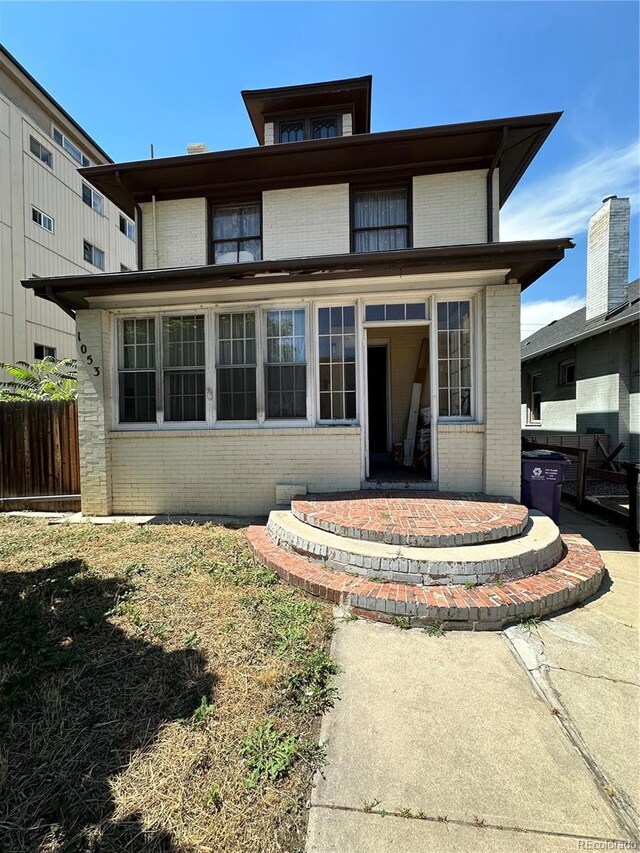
(509, 144)
(52, 101)
(526, 261)
(574, 327)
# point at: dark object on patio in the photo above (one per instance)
(633, 469)
(542, 478)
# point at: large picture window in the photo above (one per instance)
(183, 368)
(380, 220)
(236, 366)
(337, 363)
(237, 234)
(286, 367)
(454, 358)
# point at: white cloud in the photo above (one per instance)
(535, 315)
(561, 204)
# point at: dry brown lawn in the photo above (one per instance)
(159, 691)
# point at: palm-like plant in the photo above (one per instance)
(47, 379)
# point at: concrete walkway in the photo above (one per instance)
(525, 740)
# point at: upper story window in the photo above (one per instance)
(534, 403)
(567, 372)
(127, 227)
(39, 151)
(70, 148)
(237, 234)
(93, 199)
(380, 220)
(93, 255)
(42, 219)
(299, 129)
(41, 351)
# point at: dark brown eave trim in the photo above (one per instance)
(526, 262)
(330, 161)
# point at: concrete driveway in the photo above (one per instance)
(525, 740)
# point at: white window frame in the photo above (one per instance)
(309, 326)
(336, 303)
(94, 249)
(51, 354)
(213, 387)
(42, 148)
(95, 196)
(562, 372)
(42, 217)
(475, 367)
(129, 230)
(530, 420)
(70, 147)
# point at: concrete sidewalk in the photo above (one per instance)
(517, 741)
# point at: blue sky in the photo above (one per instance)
(171, 73)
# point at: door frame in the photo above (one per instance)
(384, 343)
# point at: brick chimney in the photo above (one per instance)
(608, 257)
(197, 148)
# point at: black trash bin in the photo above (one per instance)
(542, 478)
(633, 484)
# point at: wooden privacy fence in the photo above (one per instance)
(39, 457)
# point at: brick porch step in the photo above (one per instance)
(576, 577)
(538, 548)
(439, 520)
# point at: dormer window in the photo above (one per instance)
(299, 129)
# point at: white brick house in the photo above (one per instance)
(269, 341)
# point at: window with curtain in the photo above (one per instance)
(237, 234)
(183, 368)
(454, 358)
(137, 371)
(337, 363)
(236, 366)
(286, 367)
(380, 220)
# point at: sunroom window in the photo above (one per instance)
(137, 371)
(286, 367)
(337, 363)
(183, 368)
(454, 358)
(236, 366)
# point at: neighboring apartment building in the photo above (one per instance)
(269, 342)
(582, 373)
(52, 221)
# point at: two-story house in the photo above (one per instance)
(269, 342)
(53, 221)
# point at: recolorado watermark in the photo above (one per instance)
(607, 845)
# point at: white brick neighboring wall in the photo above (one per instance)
(450, 209)
(93, 390)
(461, 457)
(307, 221)
(182, 233)
(502, 390)
(228, 472)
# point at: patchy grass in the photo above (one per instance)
(159, 692)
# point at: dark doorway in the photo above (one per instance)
(378, 403)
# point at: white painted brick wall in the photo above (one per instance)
(461, 457)
(182, 233)
(608, 257)
(347, 124)
(304, 222)
(502, 390)
(269, 137)
(450, 209)
(93, 390)
(228, 472)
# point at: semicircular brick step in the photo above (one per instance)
(444, 519)
(538, 548)
(577, 576)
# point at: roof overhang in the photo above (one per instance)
(625, 320)
(353, 94)
(523, 261)
(509, 144)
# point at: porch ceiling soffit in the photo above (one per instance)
(525, 261)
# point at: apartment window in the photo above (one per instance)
(286, 367)
(236, 366)
(136, 374)
(93, 199)
(42, 219)
(380, 220)
(41, 351)
(337, 363)
(237, 234)
(127, 228)
(70, 148)
(299, 129)
(535, 399)
(124, 269)
(93, 255)
(567, 372)
(183, 368)
(454, 358)
(38, 150)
